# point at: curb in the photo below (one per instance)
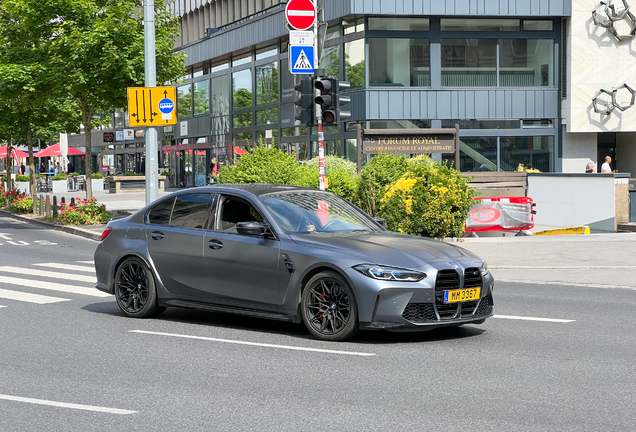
(565, 231)
(65, 228)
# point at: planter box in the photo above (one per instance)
(126, 184)
(59, 186)
(97, 184)
(23, 187)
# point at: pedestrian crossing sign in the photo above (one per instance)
(301, 59)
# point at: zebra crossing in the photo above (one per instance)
(51, 281)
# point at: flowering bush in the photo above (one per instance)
(18, 202)
(84, 212)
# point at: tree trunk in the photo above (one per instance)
(9, 165)
(29, 137)
(87, 117)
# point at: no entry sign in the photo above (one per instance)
(301, 14)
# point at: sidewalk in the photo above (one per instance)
(130, 202)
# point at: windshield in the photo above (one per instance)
(316, 212)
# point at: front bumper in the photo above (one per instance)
(416, 306)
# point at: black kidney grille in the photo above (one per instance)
(419, 313)
(447, 279)
(446, 311)
(472, 277)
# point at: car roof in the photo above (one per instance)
(261, 189)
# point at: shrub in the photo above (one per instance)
(131, 174)
(75, 174)
(84, 212)
(165, 173)
(340, 172)
(22, 178)
(60, 176)
(263, 165)
(20, 203)
(431, 199)
(376, 176)
(97, 176)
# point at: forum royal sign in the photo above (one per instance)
(408, 141)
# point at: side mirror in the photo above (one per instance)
(255, 229)
(381, 221)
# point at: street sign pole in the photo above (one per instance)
(321, 129)
(152, 179)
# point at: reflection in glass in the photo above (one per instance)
(184, 101)
(531, 152)
(469, 62)
(331, 61)
(202, 97)
(404, 24)
(265, 117)
(263, 53)
(526, 63)
(243, 119)
(354, 63)
(399, 62)
(267, 83)
(482, 124)
(492, 25)
(242, 88)
(537, 25)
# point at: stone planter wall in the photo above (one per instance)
(97, 184)
(59, 186)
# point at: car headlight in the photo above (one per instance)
(484, 268)
(390, 273)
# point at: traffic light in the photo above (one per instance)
(331, 100)
(306, 114)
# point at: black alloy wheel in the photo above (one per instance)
(328, 307)
(135, 289)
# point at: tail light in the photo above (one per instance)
(105, 234)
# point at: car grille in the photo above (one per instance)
(447, 280)
(419, 313)
(472, 277)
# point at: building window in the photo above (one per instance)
(526, 63)
(266, 117)
(242, 89)
(400, 124)
(184, 100)
(243, 119)
(267, 83)
(469, 62)
(263, 53)
(475, 152)
(354, 63)
(532, 152)
(482, 124)
(491, 25)
(538, 25)
(331, 61)
(400, 24)
(202, 97)
(399, 62)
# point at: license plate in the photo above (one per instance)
(462, 295)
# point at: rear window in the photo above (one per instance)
(191, 211)
(160, 213)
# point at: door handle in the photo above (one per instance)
(157, 235)
(215, 244)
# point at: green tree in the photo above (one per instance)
(97, 51)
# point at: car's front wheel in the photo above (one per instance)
(329, 308)
(135, 289)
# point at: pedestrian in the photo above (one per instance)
(22, 169)
(606, 167)
(58, 169)
(213, 167)
(42, 168)
(143, 166)
(70, 168)
(590, 168)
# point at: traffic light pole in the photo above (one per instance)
(321, 129)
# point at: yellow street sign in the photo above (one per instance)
(152, 106)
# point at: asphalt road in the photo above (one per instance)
(70, 362)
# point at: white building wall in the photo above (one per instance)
(578, 150)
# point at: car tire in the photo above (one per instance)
(135, 289)
(328, 307)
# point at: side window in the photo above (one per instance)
(160, 213)
(191, 211)
(235, 210)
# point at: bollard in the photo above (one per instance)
(35, 205)
(72, 202)
(48, 206)
(41, 213)
(63, 200)
(54, 206)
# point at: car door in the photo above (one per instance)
(176, 247)
(240, 267)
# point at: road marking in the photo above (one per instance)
(67, 267)
(578, 285)
(67, 405)
(53, 286)
(556, 267)
(86, 262)
(2, 306)
(29, 298)
(533, 319)
(44, 273)
(287, 347)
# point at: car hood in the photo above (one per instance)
(388, 248)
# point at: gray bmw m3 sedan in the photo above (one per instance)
(291, 254)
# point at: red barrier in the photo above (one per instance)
(501, 214)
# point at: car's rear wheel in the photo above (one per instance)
(135, 289)
(329, 308)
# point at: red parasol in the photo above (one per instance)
(55, 150)
(15, 153)
(239, 151)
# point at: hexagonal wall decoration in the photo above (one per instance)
(606, 14)
(602, 106)
(622, 98)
